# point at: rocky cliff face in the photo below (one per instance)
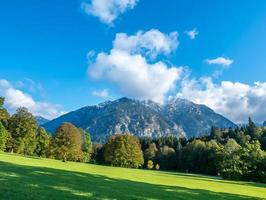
(194, 119)
(142, 118)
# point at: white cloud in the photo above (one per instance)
(127, 67)
(237, 101)
(15, 98)
(192, 33)
(108, 10)
(225, 62)
(150, 43)
(101, 93)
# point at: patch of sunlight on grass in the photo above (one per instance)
(9, 174)
(107, 179)
(150, 199)
(75, 192)
(169, 190)
(107, 199)
(80, 175)
(33, 185)
(42, 172)
(183, 191)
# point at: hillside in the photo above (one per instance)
(193, 118)
(41, 120)
(143, 118)
(34, 178)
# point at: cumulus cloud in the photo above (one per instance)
(108, 10)
(225, 62)
(150, 43)
(101, 93)
(127, 65)
(16, 98)
(192, 33)
(237, 101)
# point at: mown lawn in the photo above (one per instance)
(34, 178)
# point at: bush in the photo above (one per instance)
(150, 164)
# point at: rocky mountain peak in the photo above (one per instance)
(179, 117)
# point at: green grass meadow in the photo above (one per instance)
(44, 179)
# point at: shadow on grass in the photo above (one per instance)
(24, 182)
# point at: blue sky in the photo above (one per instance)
(44, 47)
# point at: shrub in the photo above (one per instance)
(150, 164)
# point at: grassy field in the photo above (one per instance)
(34, 178)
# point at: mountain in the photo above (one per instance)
(194, 119)
(41, 120)
(264, 123)
(143, 118)
(121, 116)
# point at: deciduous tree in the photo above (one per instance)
(67, 143)
(43, 142)
(230, 165)
(4, 115)
(123, 151)
(4, 136)
(86, 145)
(150, 153)
(22, 127)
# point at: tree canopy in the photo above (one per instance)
(22, 127)
(4, 136)
(123, 151)
(68, 143)
(4, 115)
(86, 145)
(43, 142)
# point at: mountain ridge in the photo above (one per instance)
(41, 120)
(179, 117)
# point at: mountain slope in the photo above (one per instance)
(142, 118)
(120, 116)
(194, 119)
(41, 120)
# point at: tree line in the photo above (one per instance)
(237, 154)
(21, 134)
